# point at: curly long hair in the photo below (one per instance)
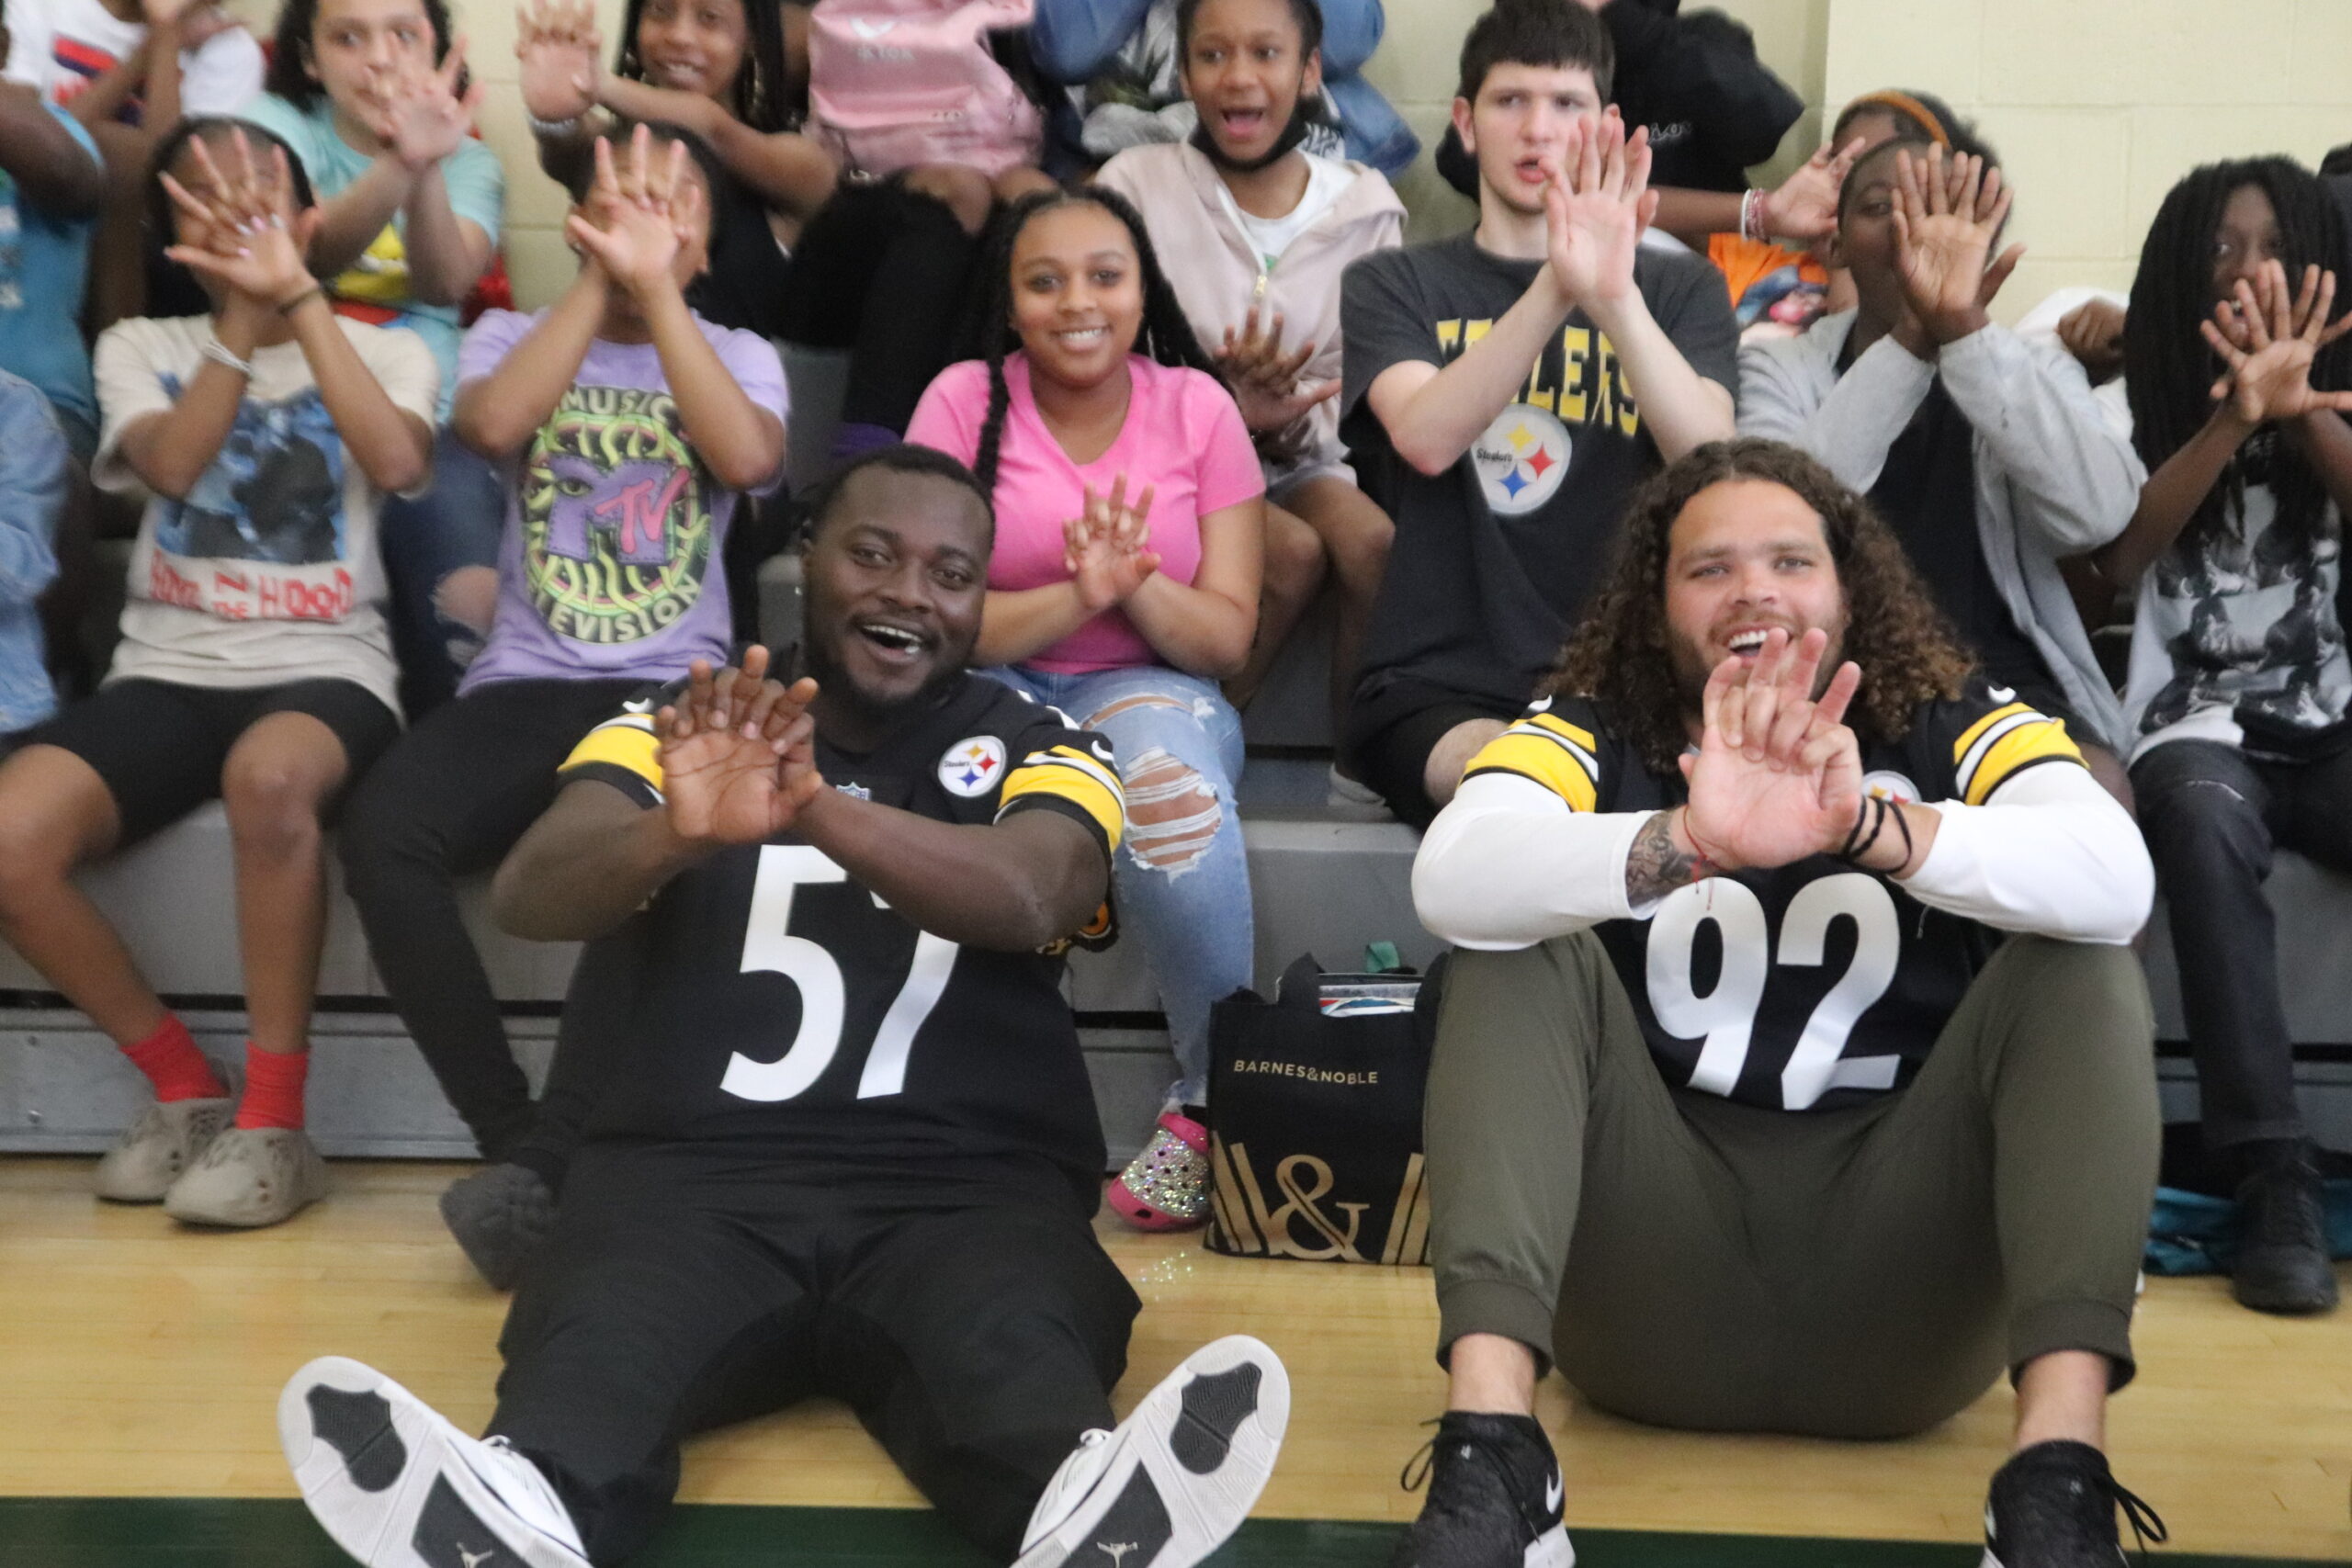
(1164, 334)
(2168, 370)
(1621, 658)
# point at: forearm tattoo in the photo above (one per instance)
(1656, 866)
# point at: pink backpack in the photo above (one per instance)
(897, 83)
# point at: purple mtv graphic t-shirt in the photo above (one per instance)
(610, 565)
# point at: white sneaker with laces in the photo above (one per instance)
(398, 1486)
(1178, 1476)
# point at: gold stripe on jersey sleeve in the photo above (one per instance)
(1533, 749)
(2031, 737)
(1582, 739)
(1976, 732)
(626, 743)
(1072, 775)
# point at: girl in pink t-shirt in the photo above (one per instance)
(1130, 544)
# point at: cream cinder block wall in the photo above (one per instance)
(1415, 67)
(1421, 52)
(2097, 107)
(536, 256)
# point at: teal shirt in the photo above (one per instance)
(476, 188)
(44, 261)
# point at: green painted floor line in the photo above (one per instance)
(153, 1532)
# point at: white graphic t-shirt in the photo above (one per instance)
(267, 570)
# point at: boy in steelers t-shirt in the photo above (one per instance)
(1794, 1073)
(839, 1138)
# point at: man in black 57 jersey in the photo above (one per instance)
(1794, 1073)
(840, 1139)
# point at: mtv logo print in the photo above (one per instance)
(630, 505)
(1521, 458)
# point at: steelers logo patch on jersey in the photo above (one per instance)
(971, 767)
(1888, 784)
(1521, 457)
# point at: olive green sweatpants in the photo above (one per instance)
(1862, 1273)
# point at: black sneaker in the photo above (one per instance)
(2052, 1505)
(1494, 1497)
(500, 1216)
(2282, 1264)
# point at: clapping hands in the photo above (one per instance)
(640, 213)
(1596, 209)
(738, 754)
(1778, 775)
(1104, 548)
(241, 229)
(422, 116)
(1263, 378)
(1947, 218)
(2268, 340)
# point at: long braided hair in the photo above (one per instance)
(1164, 335)
(2168, 369)
(762, 99)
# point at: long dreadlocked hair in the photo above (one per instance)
(1620, 657)
(2168, 369)
(1164, 335)
(761, 99)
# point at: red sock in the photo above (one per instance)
(174, 1065)
(273, 1087)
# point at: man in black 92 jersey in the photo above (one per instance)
(839, 1136)
(1794, 1073)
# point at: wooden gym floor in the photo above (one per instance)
(140, 1364)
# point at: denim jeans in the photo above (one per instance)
(1182, 878)
(2212, 816)
(427, 539)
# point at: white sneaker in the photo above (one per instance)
(397, 1486)
(1178, 1475)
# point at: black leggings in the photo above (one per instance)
(977, 1329)
(451, 798)
(882, 271)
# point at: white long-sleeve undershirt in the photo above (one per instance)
(1509, 864)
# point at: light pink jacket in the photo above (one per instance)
(1216, 275)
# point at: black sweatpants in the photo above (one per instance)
(2212, 816)
(976, 1327)
(451, 797)
(885, 273)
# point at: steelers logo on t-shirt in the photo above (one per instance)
(971, 766)
(1521, 458)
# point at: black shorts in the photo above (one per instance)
(1390, 735)
(158, 746)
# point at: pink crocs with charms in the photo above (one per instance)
(1166, 1187)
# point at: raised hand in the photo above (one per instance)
(2093, 332)
(1104, 546)
(1264, 380)
(738, 753)
(1778, 775)
(1595, 209)
(1805, 206)
(642, 214)
(2268, 342)
(558, 48)
(249, 236)
(1945, 224)
(425, 118)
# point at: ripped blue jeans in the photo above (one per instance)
(1182, 878)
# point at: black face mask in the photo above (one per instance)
(1302, 121)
